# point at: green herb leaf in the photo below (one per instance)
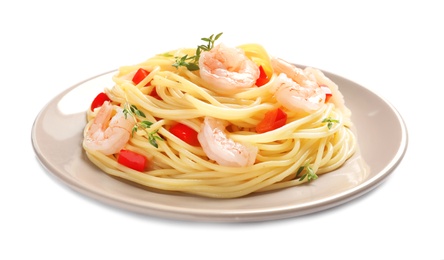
(132, 110)
(210, 41)
(192, 67)
(134, 129)
(330, 122)
(300, 170)
(181, 61)
(145, 124)
(191, 63)
(310, 175)
(153, 137)
(136, 111)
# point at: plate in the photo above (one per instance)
(381, 132)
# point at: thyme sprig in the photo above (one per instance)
(191, 62)
(330, 122)
(309, 173)
(144, 125)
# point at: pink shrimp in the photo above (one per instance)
(108, 136)
(296, 74)
(295, 97)
(337, 98)
(296, 89)
(226, 152)
(227, 70)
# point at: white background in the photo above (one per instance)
(395, 49)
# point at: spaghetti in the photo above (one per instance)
(304, 145)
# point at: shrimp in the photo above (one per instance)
(295, 89)
(217, 146)
(337, 98)
(227, 70)
(293, 96)
(108, 136)
(297, 74)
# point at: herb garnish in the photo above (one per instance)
(309, 174)
(330, 122)
(191, 63)
(133, 111)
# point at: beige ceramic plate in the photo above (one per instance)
(382, 136)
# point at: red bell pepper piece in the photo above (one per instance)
(154, 94)
(263, 77)
(132, 160)
(140, 75)
(272, 120)
(327, 92)
(99, 100)
(185, 133)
